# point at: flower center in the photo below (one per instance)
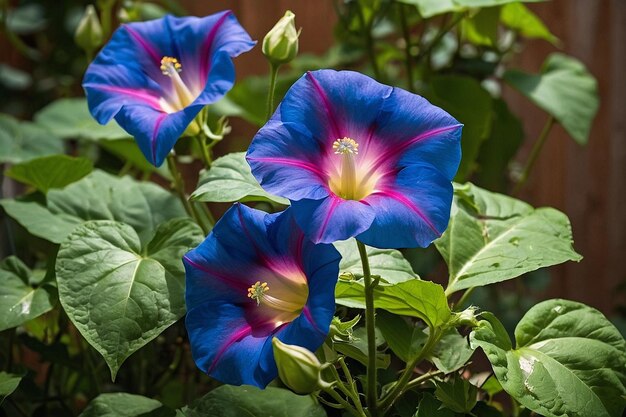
(181, 96)
(348, 182)
(259, 292)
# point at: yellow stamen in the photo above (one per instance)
(170, 65)
(183, 97)
(347, 148)
(257, 291)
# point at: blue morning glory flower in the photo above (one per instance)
(255, 277)
(154, 77)
(359, 158)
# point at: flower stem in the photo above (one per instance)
(408, 59)
(179, 187)
(370, 325)
(463, 298)
(422, 378)
(403, 383)
(204, 150)
(534, 153)
(270, 95)
(369, 43)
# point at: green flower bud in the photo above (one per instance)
(466, 317)
(298, 368)
(280, 45)
(88, 33)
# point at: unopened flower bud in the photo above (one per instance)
(298, 367)
(466, 317)
(280, 45)
(88, 33)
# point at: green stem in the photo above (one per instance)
(534, 153)
(369, 43)
(179, 187)
(349, 390)
(442, 32)
(408, 59)
(370, 325)
(205, 151)
(401, 385)
(464, 298)
(344, 403)
(270, 94)
(422, 378)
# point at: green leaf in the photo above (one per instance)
(121, 404)
(389, 264)
(568, 360)
(69, 118)
(8, 384)
(121, 295)
(492, 237)
(48, 172)
(98, 196)
(452, 352)
(564, 89)
(452, 93)
(231, 401)
(39, 221)
(404, 339)
(422, 299)
(19, 301)
(520, 18)
(356, 348)
(127, 150)
(22, 141)
(431, 407)
(482, 27)
(230, 180)
(507, 135)
(457, 394)
(430, 8)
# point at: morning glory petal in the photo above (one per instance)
(155, 77)
(359, 159)
(332, 218)
(413, 212)
(254, 277)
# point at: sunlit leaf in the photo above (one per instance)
(55, 171)
(492, 237)
(228, 180)
(119, 293)
(231, 401)
(568, 360)
(19, 300)
(564, 89)
(389, 264)
(22, 141)
(69, 118)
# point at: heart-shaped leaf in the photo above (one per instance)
(98, 196)
(492, 237)
(121, 404)
(8, 384)
(389, 264)
(119, 294)
(22, 141)
(69, 118)
(568, 360)
(230, 180)
(422, 299)
(19, 300)
(55, 171)
(564, 89)
(231, 401)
